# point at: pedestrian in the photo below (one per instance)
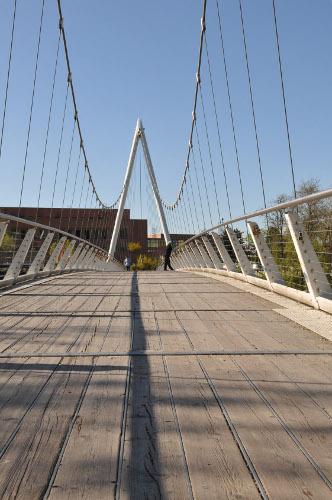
(127, 263)
(168, 252)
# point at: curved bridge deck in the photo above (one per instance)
(163, 421)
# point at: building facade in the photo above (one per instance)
(93, 225)
(156, 242)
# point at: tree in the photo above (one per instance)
(317, 217)
(7, 243)
(134, 248)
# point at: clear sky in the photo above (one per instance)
(139, 59)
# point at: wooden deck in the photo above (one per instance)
(147, 425)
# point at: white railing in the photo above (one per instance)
(287, 249)
(25, 256)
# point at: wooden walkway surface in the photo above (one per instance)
(153, 426)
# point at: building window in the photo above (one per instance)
(123, 234)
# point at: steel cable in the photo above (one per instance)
(48, 127)
(202, 165)
(217, 124)
(231, 109)
(283, 97)
(59, 151)
(31, 108)
(192, 194)
(74, 189)
(199, 191)
(8, 74)
(252, 104)
(67, 173)
(209, 148)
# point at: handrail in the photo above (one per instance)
(281, 206)
(49, 228)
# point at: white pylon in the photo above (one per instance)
(139, 135)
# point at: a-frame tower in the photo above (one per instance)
(139, 135)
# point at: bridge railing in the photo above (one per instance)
(30, 250)
(287, 249)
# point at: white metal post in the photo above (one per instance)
(191, 257)
(154, 184)
(185, 259)
(213, 255)
(39, 259)
(316, 280)
(3, 229)
(243, 260)
(84, 262)
(230, 266)
(124, 193)
(198, 256)
(270, 268)
(81, 257)
(54, 257)
(203, 253)
(74, 257)
(60, 267)
(18, 261)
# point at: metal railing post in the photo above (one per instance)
(243, 260)
(203, 253)
(192, 257)
(198, 256)
(19, 258)
(49, 268)
(40, 257)
(313, 272)
(74, 257)
(213, 255)
(270, 268)
(3, 229)
(229, 264)
(80, 258)
(60, 267)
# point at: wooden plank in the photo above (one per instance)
(152, 461)
(89, 465)
(308, 424)
(216, 466)
(285, 471)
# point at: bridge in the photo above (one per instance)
(213, 380)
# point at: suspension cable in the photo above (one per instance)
(79, 204)
(67, 173)
(209, 148)
(202, 165)
(199, 191)
(8, 74)
(74, 189)
(48, 127)
(231, 109)
(217, 124)
(74, 100)
(31, 108)
(192, 194)
(59, 151)
(283, 97)
(252, 104)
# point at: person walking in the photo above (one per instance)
(127, 263)
(168, 251)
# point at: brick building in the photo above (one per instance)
(94, 225)
(156, 242)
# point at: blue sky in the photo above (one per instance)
(139, 59)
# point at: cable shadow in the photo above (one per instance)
(141, 469)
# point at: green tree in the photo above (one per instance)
(7, 243)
